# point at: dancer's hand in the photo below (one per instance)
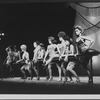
(75, 55)
(44, 61)
(66, 58)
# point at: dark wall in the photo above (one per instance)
(24, 23)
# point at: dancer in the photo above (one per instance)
(51, 54)
(63, 50)
(83, 46)
(9, 60)
(83, 43)
(39, 53)
(16, 54)
(71, 61)
(25, 62)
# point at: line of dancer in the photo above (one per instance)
(64, 55)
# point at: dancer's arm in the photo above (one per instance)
(88, 39)
(35, 54)
(46, 54)
(71, 52)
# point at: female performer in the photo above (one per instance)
(63, 50)
(16, 54)
(9, 55)
(83, 47)
(71, 61)
(25, 61)
(9, 60)
(83, 43)
(39, 53)
(51, 54)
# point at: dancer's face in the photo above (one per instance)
(49, 41)
(23, 50)
(77, 31)
(35, 44)
(60, 39)
(9, 50)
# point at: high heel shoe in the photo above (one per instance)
(78, 81)
(50, 79)
(60, 79)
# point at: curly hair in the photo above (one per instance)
(23, 47)
(52, 39)
(63, 35)
(79, 28)
(41, 44)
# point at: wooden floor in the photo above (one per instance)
(20, 86)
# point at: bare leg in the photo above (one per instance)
(23, 71)
(89, 73)
(69, 74)
(48, 61)
(50, 72)
(59, 71)
(30, 72)
(70, 67)
(47, 74)
(36, 72)
(64, 71)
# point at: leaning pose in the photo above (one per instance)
(25, 62)
(83, 47)
(63, 50)
(51, 54)
(39, 53)
(71, 61)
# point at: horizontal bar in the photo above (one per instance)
(32, 1)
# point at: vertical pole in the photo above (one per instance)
(91, 70)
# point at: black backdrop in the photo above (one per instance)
(24, 23)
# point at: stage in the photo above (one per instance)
(25, 86)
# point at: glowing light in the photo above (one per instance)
(3, 34)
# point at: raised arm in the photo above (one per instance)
(88, 39)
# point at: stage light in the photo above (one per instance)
(2, 34)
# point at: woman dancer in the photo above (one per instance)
(83, 43)
(63, 50)
(25, 62)
(9, 59)
(71, 61)
(52, 53)
(83, 47)
(39, 53)
(16, 54)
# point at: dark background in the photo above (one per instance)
(24, 23)
(29, 22)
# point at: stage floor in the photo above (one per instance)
(21, 86)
